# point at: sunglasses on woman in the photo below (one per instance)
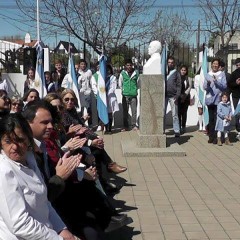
(68, 99)
(19, 104)
(4, 97)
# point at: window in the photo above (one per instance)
(233, 46)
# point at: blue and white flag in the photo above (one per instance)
(237, 110)
(201, 91)
(73, 78)
(39, 74)
(102, 95)
(164, 60)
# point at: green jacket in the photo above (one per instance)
(129, 83)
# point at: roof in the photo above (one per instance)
(22, 42)
(66, 47)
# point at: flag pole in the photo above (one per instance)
(103, 126)
(69, 47)
(38, 30)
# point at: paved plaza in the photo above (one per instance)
(195, 197)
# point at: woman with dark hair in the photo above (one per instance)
(4, 103)
(184, 99)
(30, 81)
(31, 95)
(214, 84)
(25, 212)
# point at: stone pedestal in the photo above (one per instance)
(151, 140)
(152, 98)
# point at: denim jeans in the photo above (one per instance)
(174, 109)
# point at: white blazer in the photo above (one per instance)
(25, 212)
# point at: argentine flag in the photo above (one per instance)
(102, 95)
(237, 110)
(202, 92)
(73, 78)
(39, 75)
(164, 60)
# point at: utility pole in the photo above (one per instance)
(198, 43)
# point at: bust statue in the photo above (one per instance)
(153, 65)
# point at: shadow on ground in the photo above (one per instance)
(124, 233)
(185, 137)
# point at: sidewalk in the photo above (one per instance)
(193, 197)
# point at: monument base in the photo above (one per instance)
(131, 148)
(151, 141)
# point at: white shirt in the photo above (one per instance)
(84, 81)
(25, 212)
(4, 85)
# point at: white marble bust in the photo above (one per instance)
(153, 65)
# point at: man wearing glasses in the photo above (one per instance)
(234, 86)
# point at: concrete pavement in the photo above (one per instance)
(195, 197)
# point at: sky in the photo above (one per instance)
(9, 9)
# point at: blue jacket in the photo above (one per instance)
(223, 110)
(215, 87)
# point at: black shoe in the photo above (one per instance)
(183, 130)
(117, 222)
(177, 135)
(107, 132)
(210, 140)
(110, 188)
(214, 141)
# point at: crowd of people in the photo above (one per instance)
(220, 87)
(55, 172)
(217, 87)
(53, 164)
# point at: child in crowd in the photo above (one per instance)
(30, 81)
(50, 86)
(224, 117)
(85, 89)
(58, 74)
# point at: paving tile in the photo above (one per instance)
(216, 234)
(171, 228)
(150, 228)
(153, 236)
(212, 227)
(186, 219)
(231, 226)
(223, 219)
(175, 235)
(201, 235)
(196, 197)
(188, 227)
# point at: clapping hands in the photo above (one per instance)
(67, 164)
(75, 143)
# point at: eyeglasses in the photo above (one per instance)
(4, 97)
(19, 104)
(68, 99)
